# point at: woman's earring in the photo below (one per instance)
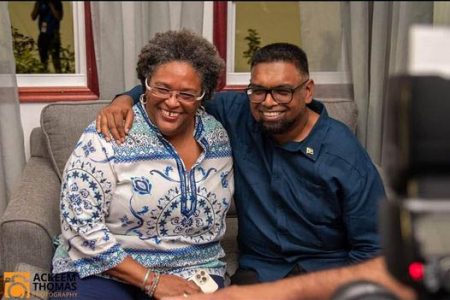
(143, 99)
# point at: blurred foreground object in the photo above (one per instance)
(415, 224)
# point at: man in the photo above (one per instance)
(306, 191)
(50, 14)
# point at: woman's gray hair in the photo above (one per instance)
(186, 46)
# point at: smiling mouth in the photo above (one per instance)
(170, 114)
(271, 115)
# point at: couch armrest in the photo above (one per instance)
(36, 293)
(31, 218)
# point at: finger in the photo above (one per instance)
(119, 121)
(97, 123)
(113, 128)
(193, 288)
(104, 127)
(129, 120)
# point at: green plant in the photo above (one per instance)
(253, 42)
(24, 48)
(27, 58)
(67, 60)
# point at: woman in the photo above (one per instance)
(140, 217)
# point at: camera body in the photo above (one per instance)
(415, 223)
(416, 238)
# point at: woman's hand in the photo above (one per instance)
(116, 119)
(171, 285)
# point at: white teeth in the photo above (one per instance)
(271, 114)
(170, 114)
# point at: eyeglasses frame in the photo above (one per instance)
(270, 90)
(149, 88)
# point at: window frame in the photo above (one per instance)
(30, 87)
(328, 84)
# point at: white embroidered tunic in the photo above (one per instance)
(138, 199)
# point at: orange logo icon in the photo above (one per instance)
(17, 285)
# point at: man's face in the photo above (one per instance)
(281, 119)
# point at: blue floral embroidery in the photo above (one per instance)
(84, 193)
(168, 169)
(89, 244)
(78, 199)
(143, 211)
(125, 221)
(88, 148)
(141, 185)
(105, 235)
(224, 180)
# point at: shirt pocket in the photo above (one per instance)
(323, 210)
(317, 203)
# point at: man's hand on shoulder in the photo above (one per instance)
(115, 119)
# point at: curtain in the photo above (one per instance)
(121, 29)
(12, 153)
(377, 39)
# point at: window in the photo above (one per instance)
(76, 79)
(241, 27)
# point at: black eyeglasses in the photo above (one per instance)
(282, 95)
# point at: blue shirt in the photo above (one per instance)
(311, 203)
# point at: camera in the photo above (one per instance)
(415, 221)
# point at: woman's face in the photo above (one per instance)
(175, 114)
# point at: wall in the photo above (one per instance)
(30, 114)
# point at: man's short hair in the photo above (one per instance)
(282, 52)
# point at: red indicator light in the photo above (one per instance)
(416, 271)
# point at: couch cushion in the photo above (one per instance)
(343, 110)
(63, 123)
(35, 292)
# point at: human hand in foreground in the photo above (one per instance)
(315, 285)
(243, 292)
(171, 285)
(116, 119)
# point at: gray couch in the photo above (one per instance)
(31, 219)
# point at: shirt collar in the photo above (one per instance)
(311, 145)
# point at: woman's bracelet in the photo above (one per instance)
(151, 288)
(145, 278)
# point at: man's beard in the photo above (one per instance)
(281, 127)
